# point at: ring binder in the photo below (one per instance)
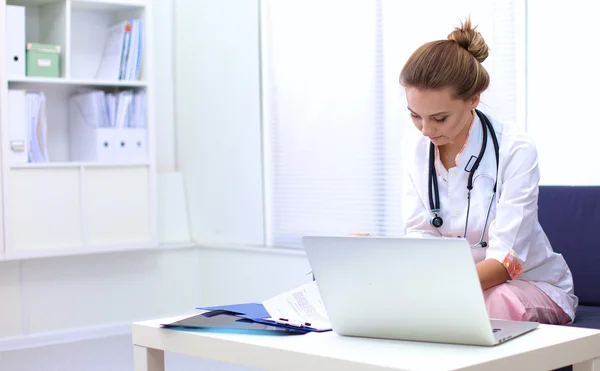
(15, 44)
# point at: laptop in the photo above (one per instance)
(421, 289)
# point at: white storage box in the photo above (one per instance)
(130, 145)
(88, 143)
(108, 145)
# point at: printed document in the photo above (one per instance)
(110, 66)
(303, 305)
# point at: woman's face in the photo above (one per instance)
(440, 116)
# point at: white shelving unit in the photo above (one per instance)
(62, 206)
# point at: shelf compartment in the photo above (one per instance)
(89, 27)
(44, 205)
(45, 22)
(117, 206)
(57, 113)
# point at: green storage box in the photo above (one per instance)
(43, 60)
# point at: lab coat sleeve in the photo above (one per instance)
(516, 210)
(415, 214)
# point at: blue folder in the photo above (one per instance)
(247, 316)
(247, 310)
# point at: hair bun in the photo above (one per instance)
(470, 39)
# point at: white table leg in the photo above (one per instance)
(148, 359)
(591, 365)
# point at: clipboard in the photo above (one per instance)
(246, 316)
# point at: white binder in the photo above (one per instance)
(87, 141)
(17, 120)
(15, 42)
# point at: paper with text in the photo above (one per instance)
(302, 304)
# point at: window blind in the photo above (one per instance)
(333, 112)
(505, 99)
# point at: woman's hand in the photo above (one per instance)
(491, 273)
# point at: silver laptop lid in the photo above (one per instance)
(401, 288)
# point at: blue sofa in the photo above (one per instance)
(570, 216)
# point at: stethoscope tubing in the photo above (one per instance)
(434, 197)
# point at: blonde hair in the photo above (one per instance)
(454, 63)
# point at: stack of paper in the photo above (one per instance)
(92, 108)
(124, 109)
(36, 127)
(300, 305)
(138, 110)
(122, 57)
(127, 109)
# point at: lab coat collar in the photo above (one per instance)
(472, 145)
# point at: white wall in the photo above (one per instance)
(218, 118)
(230, 276)
(132, 290)
(563, 77)
(217, 76)
(166, 135)
(49, 298)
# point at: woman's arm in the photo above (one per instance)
(510, 240)
(491, 273)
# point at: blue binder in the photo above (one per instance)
(247, 310)
(246, 316)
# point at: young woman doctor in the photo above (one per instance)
(470, 176)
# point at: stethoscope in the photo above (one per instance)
(434, 204)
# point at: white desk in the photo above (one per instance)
(546, 348)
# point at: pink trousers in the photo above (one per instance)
(520, 300)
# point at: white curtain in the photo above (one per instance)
(333, 111)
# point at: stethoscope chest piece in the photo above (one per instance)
(437, 221)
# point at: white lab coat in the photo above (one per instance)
(514, 235)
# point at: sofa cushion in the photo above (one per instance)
(588, 317)
(570, 216)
